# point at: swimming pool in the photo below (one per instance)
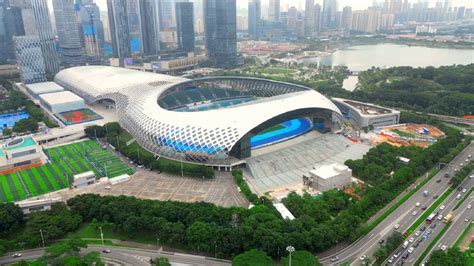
(8, 120)
(292, 128)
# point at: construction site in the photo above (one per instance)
(420, 135)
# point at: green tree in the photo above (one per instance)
(301, 258)
(252, 258)
(162, 261)
(452, 257)
(11, 218)
(6, 131)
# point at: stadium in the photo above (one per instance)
(215, 121)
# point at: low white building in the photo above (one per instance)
(30, 206)
(58, 102)
(83, 179)
(36, 89)
(329, 177)
(119, 179)
(285, 213)
(366, 114)
(20, 152)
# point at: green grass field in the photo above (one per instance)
(273, 128)
(66, 161)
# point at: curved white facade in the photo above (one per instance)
(205, 136)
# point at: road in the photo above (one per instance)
(401, 216)
(127, 256)
(426, 232)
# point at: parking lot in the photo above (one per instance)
(221, 190)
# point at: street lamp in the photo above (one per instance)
(158, 245)
(101, 235)
(290, 249)
(42, 237)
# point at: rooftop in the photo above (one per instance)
(366, 108)
(60, 97)
(285, 213)
(16, 143)
(328, 171)
(44, 87)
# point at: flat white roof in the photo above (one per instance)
(60, 97)
(328, 171)
(32, 203)
(85, 174)
(285, 213)
(44, 87)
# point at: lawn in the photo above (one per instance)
(403, 133)
(273, 128)
(88, 231)
(65, 162)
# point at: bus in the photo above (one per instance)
(448, 218)
(430, 218)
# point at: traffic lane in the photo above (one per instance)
(357, 248)
(459, 224)
(403, 216)
(26, 255)
(450, 202)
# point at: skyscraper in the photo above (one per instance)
(119, 27)
(30, 59)
(166, 14)
(317, 19)
(274, 11)
(72, 53)
(92, 29)
(45, 34)
(134, 26)
(309, 21)
(346, 18)
(220, 24)
(254, 17)
(149, 12)
(11, 24)
(292, 19)
(328, 19)
(185, 26)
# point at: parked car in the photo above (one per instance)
(469, 206)
(417, 233)
(390, 260)
(411, 240)
(464, 190)
(444, 247)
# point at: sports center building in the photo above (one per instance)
(215, 121)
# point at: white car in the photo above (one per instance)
(417, 233)
(362, 258)
(17, 255)
(440, 217)
(411, 240)
(458, 196)
(410, 250)
(414, 213)
(107, 187)
(390, 260)
(396, 226)
(444, 247)
(464, 190)
(461, 164)
(417, 204)
(469, 206)
(466, 220)
(471, 176)
(442, 207)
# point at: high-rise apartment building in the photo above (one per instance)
(134, 26)
(328, 17)
(185, 26)
(167, 20)
(119, 27)
(44, 31)
(72, 53)
(92, 29)
(346, 18)
(309, 18)
(150, 10)
(221, 31)
(274, 10)
(317, 19)
(11, 24)
(292, 22)
(30, 59)
(254, 17)
(366, 20)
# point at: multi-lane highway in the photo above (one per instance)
(419, 241)
(402, 217)
(125, 256)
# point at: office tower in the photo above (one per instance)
(167, 22)
(447, 5)
(461, 12)
(30, 59)
(317, 19)
(221, 31)
(149, 11)
(346, 18)
(274, 11)
(395, 6)
(292, 19)
(309, 21)
(134, 26)
(405, 5)
(254, 16)
(92, 29)
(11, 24)
(185, 26)
(43, 29)
(104, 16)
(119, 27)
(72, 53)
(328, 18)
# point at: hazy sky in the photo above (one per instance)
(356, 4)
